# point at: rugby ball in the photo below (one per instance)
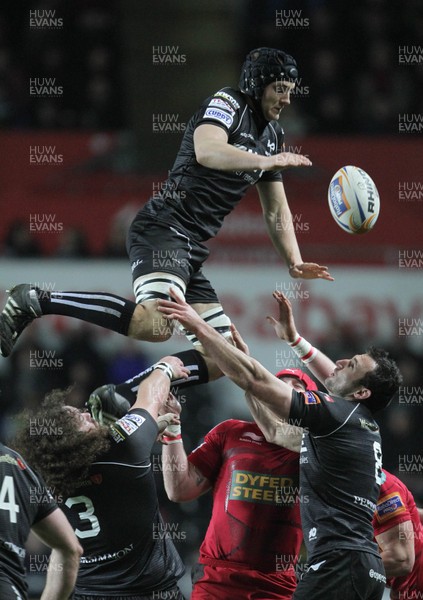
(353, 200)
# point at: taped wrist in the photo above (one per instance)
(175, 430)
(303, 349)
(166, 368)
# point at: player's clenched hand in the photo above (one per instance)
(178, 368)
(284, 160)
(172, 405)
(285, 325)
(310, 271)
(180, 311)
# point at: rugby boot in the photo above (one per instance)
(21, 308)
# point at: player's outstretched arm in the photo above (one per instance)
(183, 481)
(244, 370)
(213, 151)
(55, 531)
(154, 390)
(278, 219)
(319, 364)
(274, 429)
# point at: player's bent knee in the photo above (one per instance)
(149, 324)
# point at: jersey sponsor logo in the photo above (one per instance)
(311, 398)
(218, 115)
(378, 576)
(130, 423)
(317, 566)
(21, 552)
(222, 104)
(260, 488)
(365, 502)
(389, 506)
(100, 558)
(128, 426)
(312, 534)
(138, 419)
(328, 398)
(230, 99)
(117, 435)
(136, 263)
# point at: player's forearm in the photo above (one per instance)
(181, 482)
(245, 371)
(282, 233)
(153, 392)
(242, 369)
(275, 430)
(61, 575)
(263, 416)
(224, 157)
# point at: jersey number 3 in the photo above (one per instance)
(85, 515)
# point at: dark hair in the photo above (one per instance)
(383, 381)
(49, 440)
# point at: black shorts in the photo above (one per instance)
(172, 594)
(344, 575)
(153, 247)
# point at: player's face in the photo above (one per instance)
(84, 420)
(348, 371)
(275, 97)
(295, 383)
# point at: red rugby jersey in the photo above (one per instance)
(395, 506)
(255, 522)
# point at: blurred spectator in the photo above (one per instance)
(115, 246)
(19, 241)
(73, 243)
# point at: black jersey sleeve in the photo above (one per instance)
(40, 492)
(133, 437)
(223, 110)
(275, 145)
(319, 413)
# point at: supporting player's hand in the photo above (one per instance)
(285, 325)
(283, 160)
(172, 405)
(238, 340)
(178, 367)
(310, 271)
(180, 310)
(163, 421)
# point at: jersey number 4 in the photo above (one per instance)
(7, 498)
(85, 515)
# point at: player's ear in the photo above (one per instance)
(362, 394)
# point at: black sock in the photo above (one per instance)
(192, 359)
(103, 309)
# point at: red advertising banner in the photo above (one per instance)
(56, 181)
